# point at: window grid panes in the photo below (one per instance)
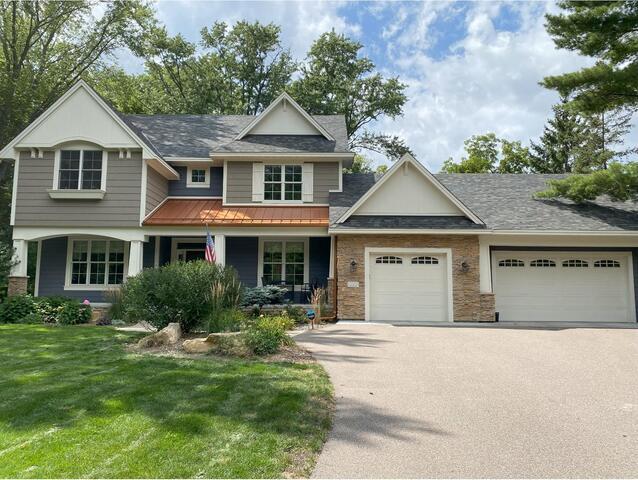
(606, 264)
(575, 263)
(390, 259)
(198, 176)
(80, 169)
(542, 262)
(97, 262)
(284, 261)
(511, 262)
(425, 261)
(282, 182)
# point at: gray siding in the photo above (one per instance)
(119, 208)
(319, 260)
(326, 178)
(53, 270)
(242, 254)
(239, 182)
(156, 189)
(178, 188)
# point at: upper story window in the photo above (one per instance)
(198, 177)
(80, 170)
(282, 182)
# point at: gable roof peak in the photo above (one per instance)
(286, 100)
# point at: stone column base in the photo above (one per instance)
(17, 286)
(487, 308)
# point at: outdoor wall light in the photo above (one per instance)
(465, 267)
(353, 265)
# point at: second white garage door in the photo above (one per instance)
(563, 286)
(408, 287)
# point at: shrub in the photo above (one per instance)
(187, 293)
(296, 313)
(266, 335)
(14, 309)
(73, 313)
(49, 307)
(227, 320)
(116, 310)
(268, 295)
(32, 318)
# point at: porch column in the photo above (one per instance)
(220, 249)
(18, 277)
(135, 258)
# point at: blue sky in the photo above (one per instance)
(470, 67)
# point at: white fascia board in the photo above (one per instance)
(238, 231)
(604, 233)
(438, 185)
(406, 231)
(163, 168)
(283, 97)
(189, 159)
(249, 156)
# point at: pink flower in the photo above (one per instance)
(86, 302)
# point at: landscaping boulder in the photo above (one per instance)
(168, 335)
(204, 345)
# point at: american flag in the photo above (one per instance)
(209, 254)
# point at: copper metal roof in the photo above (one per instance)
(211, 211)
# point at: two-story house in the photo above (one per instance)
(105, 195)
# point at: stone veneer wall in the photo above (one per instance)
(469, 304)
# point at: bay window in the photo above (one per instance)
(96, 263)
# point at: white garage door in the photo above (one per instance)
(408, 287)
(563, 286)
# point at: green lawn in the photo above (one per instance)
(74, 403)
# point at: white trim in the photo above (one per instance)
(276, 203)
(94, 287)
(142, 233)
(14, 191)
(284, 97)
(436, 183)
(143, 191)
(283, 240)
(81, 147)
(377, 250)
(68, 194)
(156, 253)
(220, 248)
(258, 184)
(20, 258)
(36, 287)
(189, 160)
(567, 232)
(405, 231)
(189, 181)
(250, 156)
(307, 182)
(331, 267)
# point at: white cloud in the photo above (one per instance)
(488, 83)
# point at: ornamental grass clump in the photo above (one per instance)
(184, 292)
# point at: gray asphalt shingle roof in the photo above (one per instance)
(503, 202)
(199, 135)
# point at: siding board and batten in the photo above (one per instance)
(119, 208)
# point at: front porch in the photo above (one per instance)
(85, 266)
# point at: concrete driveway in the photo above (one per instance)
(479, 401)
